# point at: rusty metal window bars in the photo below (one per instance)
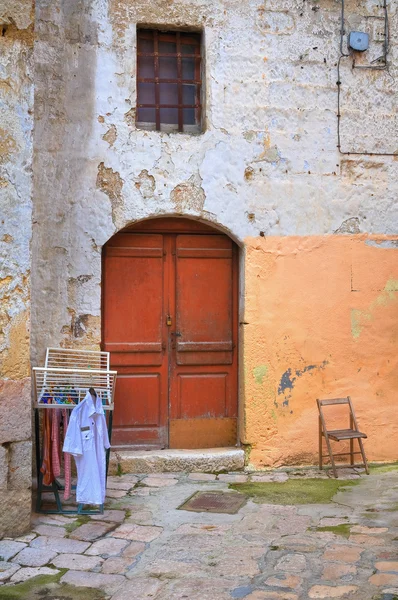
(169, 81)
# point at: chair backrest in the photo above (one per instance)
(334, 402)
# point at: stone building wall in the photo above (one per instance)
(16, 121)
(266, 170)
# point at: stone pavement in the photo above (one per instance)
(142, 547)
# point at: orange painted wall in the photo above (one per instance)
(321, 320)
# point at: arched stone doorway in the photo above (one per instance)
(170, 322)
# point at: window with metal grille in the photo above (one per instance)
(169, 81)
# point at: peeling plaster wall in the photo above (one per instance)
(267, 163)
(16, 121)
(318, 326)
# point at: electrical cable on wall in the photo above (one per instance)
(379, 67)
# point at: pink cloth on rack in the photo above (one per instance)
(55, 458)
(67, 461)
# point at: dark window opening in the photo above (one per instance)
(169, 81)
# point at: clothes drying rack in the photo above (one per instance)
(63, 383)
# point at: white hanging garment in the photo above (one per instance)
(87, 439)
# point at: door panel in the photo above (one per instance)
(133, 333)
(170, 324)
(211, 385)
(204, 299)
(193, 433)
(203, 361)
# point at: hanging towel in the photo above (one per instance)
(46, 468)
(55, 454)
(67, 464)
(87, 439)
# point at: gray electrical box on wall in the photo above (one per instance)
(358, 41)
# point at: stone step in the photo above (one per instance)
(209, 460)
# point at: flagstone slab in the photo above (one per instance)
(384, 579)
(202, 477)
(26, 538)
(110, 493)
(9, 548)
(174, 569)
(27, 573)
(368, 530)
(141, 491)
(333, 522)
(110, 584)
(108, 546)
(139, 588)
(292, 562)
(226, 477)
(7, 569)
(195, 588)
(116, 565)
(366, 540)
(142, 517)
(335, 571)
(326, 591)
(115, 516)
(121, 483)
(34, 557)
(349, 554)
(285, 581)
(78, 562)
(53, 519)
(51, 530)
(134, 549)
(91, 531)
(203, 528)
(159, 482)
(274, 595)
(387, 566)
(60, 545)
(139, 533)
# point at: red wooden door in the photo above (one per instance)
(170, 323)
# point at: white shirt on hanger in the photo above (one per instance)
(87, 439)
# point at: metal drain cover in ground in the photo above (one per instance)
(216, 502)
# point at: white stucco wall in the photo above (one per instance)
(267, 161)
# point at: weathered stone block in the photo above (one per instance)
(15, 513)
(20, 466)
(3, 467)
(15, 411)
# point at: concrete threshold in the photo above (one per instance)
(208, 460)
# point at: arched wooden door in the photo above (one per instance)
(170, 322)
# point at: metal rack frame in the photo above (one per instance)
(62, 384)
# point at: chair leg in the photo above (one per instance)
(352, 452)
(320, 443)
(331, 455)
(365, 462)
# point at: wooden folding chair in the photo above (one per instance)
(338, 435)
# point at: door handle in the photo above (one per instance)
(176, 333)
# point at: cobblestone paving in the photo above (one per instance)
(142, 547)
